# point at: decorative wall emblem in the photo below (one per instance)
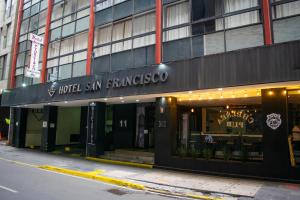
(273, 121)
(52, 89)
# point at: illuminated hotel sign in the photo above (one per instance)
(111, 83)
(138, 79)
(235, 118)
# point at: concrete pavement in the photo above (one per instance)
(171, 181)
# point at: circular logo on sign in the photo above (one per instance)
(273, 121)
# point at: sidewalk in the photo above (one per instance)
(162, 180)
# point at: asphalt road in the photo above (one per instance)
(18, 182)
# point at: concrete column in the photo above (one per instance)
(19, 134)
(48, 137)
(275, 131)
(11, 126)
(165, 129)
(95, 129)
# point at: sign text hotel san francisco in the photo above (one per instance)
(97, 85)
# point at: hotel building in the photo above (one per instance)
(205, 85)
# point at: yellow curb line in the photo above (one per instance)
(88, 175)
(92, 175)
(140, 165)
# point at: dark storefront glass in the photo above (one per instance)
(223, 132)
(294, 124)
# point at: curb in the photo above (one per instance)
(90, 175)
(119, 182)
(116, 162)
(114, 181)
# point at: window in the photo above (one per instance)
(57, 11)
(34, 22)
(83, 3)
(53, 49)
(65, 71)
(52, 74)
(103, 35)
(287, 9)
(81, 41)
(122, 31)
(67, 46)
(286, 18)
(79, 69)
(70, 7)
(68, 29)
(55, 34)
(2, 67)
(221, 132)
(8, 5)
(176, 15)
(82, 24)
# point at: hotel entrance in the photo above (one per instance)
(129, 132)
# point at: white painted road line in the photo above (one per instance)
(8, 189)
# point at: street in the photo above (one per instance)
(19, 182)
(21, 178)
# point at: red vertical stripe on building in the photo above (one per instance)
(46, 41)
(16, 45)
(91, 38)
(267, 22)
(158, 45)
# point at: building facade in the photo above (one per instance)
(207, 85)
(8, 9)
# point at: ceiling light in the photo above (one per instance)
(66, 101)
(192, 110)
(137, 100)
(270, 93)
(24, 85)
(180, 99)
(190, 92)
(220, 89)
(122, 101)
(227, 107)
(48, 103)
(105, 99)
(121, 98)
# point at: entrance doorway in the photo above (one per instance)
(129, 132)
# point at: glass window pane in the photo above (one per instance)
(64, 71)
(286, 29)
(57, 11)
(79, 69)
(206, 8)
(68, 29)
(35, 9)
(235, 5)
(42, 18)
(24, 26)
(82, 24)
(34, 22)
(144, 24)
(242, 19)
(52, 74)
(83, 3)
(287, 9)
(177, 14)
(81, 41)
(67, 46)
(122, 30)
(102, 35)
(70, 7)
(55, 34)
(53, 50)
